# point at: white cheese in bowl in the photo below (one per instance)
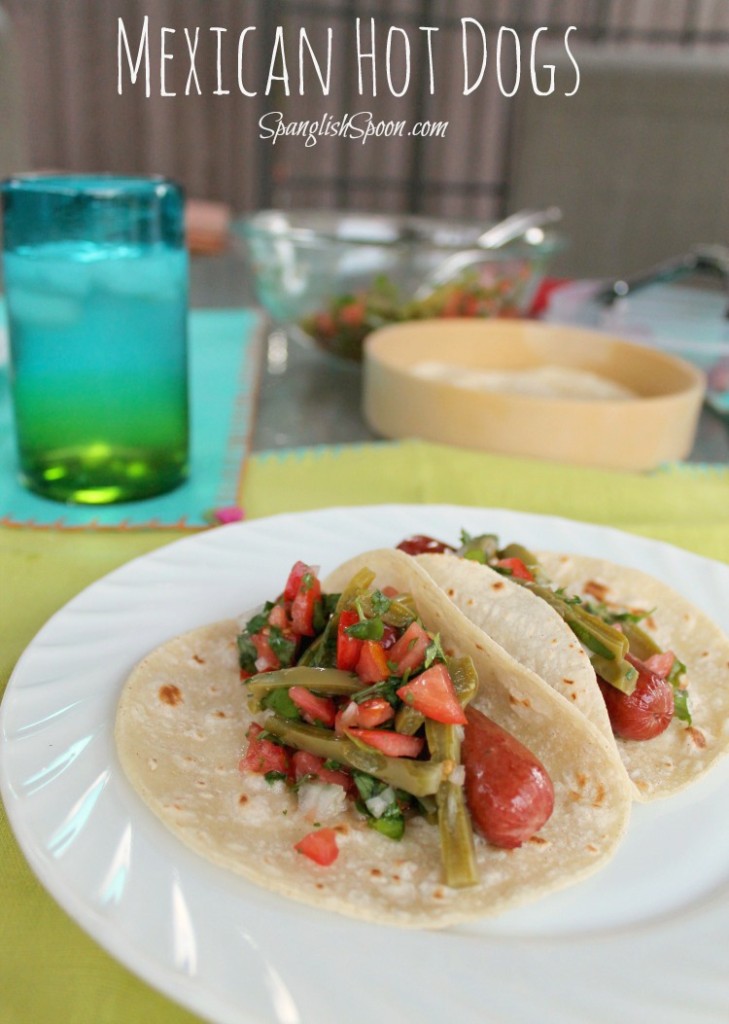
(539, 382)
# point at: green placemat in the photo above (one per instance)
(685, 504)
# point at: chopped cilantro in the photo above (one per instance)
(282, 646)
(391, 822)
(434, 651)
(367, 785)
(272, 738)
(632, 616)
(256, 624)
(677, 670)
(681, 707)
(384, 689)
(303, 779)
(380, 603)
(366, 629)
(322, 653)
(247, 653)
(272, 777)
(610, 615)
(320, 617)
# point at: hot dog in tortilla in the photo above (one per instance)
(637, 658)
(365, 749)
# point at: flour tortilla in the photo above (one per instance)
(530, 630)
(180, 730)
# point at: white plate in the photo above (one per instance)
(645, 939)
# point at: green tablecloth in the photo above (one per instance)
(49, 970)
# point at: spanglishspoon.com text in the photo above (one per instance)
(361, 126)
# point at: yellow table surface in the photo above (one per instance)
(50, 971)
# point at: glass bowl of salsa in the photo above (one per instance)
(331, 278)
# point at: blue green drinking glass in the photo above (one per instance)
(96, 280)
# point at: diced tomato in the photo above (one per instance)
(390, 591)
(349, 648)
(353, 314)
(293, 583)
(373, 712)
(660, 664)
(452, 305)
(254, 731)
(409, 651)
(469, 306)
(368, 715)
(266, 660)
(278, 617)
(319, 846)
(394, 744)
(433, 694)
(315, 709)
(262, 755)
(302, 590)
(303, 763)
(372, 663)
(303, 604)
(517, 567)
(325, 325)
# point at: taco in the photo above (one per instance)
(364, 748)
(631, 653)
(526, 626)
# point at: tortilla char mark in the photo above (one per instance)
(170, 694)
(597, 590)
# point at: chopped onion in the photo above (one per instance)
(320, 801)
(377, 805)
(350, 715)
